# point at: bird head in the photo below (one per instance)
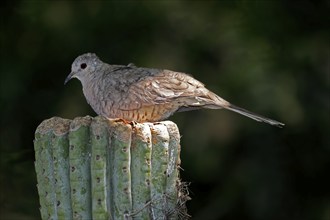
(83, 67)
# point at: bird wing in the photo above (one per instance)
(167, 87)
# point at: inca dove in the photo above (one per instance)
(144, 94)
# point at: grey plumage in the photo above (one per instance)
(145, 94)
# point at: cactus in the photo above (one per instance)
(95, 168)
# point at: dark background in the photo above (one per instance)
(271, 57)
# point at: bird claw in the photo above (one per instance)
(133, 123)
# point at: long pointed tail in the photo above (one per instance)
(254, 116)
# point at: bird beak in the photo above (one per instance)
(69, 77)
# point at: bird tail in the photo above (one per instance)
(253, 116)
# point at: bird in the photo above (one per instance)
(139, 94)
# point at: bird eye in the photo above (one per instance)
(83, 65)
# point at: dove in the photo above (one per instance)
(143, 94)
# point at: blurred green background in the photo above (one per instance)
(271, 57)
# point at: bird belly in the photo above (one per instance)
(144, 114)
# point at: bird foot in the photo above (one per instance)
(132, 123)
(121, 120)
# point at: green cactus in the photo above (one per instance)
(94, 168)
